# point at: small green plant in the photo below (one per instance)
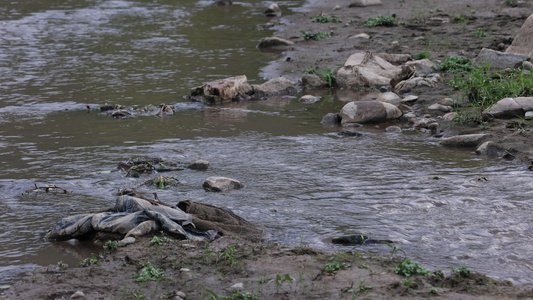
(381, 21)
(408, 269)
(455, 64)
(433, 291)
(422, 55)
(62, 265)
(459, 19)
(239, 295)
(156, 241)
(110, 247)
(328, 74)
(409, 284)
(480, 33)
(484, 125)
(89, 261)
(333, 267)
(280, 279)
(326, 19)
(308, 35)
(138, 295)
(394, 249)
(361, 290)
(228, 255)
(149, 272)
(436, 9)
(462, 272)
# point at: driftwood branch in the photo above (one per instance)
(47, 189)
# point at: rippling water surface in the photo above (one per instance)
(303, 182)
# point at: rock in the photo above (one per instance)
(185, 270)
(394, 129)
(360, 36)
(408, 117)
(409, 99)
(449, 116)
(222, 90)
(309, 99)
(529, 114)
(448, 102)
(368, 111)
(331, 119)
(488, 148)
(221, 184)
(437, 21)
(237, 287)
(467, 140)
(223, 3)
(126, 241)
(349, 133)
(337, 7)
(509, 108)
(422, 66)
(406, 73)
(356, 239)
(395, 58)
(366, 69)
(523, 43)
(498, 60)
(273, 11)
(312, 81)
(431, 81)
(270, 42)
(274, 87)
(200, 165)
(389, 97)
(440, 107)
(77, 295)
(364, 3)
(424, 122)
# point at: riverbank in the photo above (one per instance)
(271, 271)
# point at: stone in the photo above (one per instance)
(349, 133)
(488, 148)
(408, 116)
(529, 114)
(448, 102)
(274, 87)
(437, 21)
(126, 241)
(467, 140)
(449, 116)
(422, 66)
(337, 7)
(389, 97)
(331, 119)
(222, 90)
(366, 69)
(440, 107)
(364, 3)
(270, 42)
(77, 295)
(185, 270)
(498, 60)
(409, 99)
(424, 122)
(273, 11)
(312, 81)
(430, 81)
(509, 108)
(200, 165)
(237, 287)
(223, 3)
(309, 99)
(393, 129)
(523, 43)
(406, 73)
(395, 58)
(360, 36)
(221, 184)
(368, 112)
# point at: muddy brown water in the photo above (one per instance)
(304, 183)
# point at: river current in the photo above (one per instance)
(445, 208)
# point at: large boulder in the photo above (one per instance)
(498, 60)
(368, 111)
(274, 87)
(523, 43)
(222, 90)
(509, 108)
(366, 69)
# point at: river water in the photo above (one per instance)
(303, 182)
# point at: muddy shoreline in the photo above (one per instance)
(232, 267)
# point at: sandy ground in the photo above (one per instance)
(268, 271)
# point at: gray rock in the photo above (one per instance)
(498, 60)
(389, 97)
(424, 122)
(126, 241)
(270, 42)
(221, 184)
(449, 116)
(364, 3)
(467, 140)
(222, 90)
(422, 66)
(529, 114)
(509, 108)
(366, 69)
(312, 81)
(368, 111)
(309, 99)
(274, 87)
(394, 129)
(431, 81)
(331, 119)
(237, 287)
(523, 43)
(408, 116)
(440, 107)
(200, 165)
(409, 99)
(488, 148)
(360, 36)
(273, 11)
(448, 102)
(77, 295)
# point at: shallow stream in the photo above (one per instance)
(303, 182)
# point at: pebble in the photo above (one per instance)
(237, 287)
(77, 295)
